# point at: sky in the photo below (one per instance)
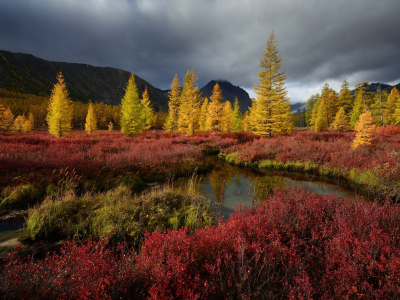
(321, 41)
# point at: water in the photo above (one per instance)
(9, 227)
(228, 186)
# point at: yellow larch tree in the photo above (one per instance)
(346, 99)
(321, 122)
(203, 125)
(19, 124)
(272, 113)
(245, 123)
(332, 107)
(171, 123)
(60, 113)
(215, 110)
(147, 110)
(227, 122)
(341, 122)
(364, 127)
(91, 120)
(110, 126)
(237, 117)
(131, 110)
(190, 103)
(2, 110)
(8, 119)
(391, 105)
(29, 123)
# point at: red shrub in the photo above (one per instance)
(388, 130)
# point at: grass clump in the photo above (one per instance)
(118, 211)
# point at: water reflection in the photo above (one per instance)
(228, 186)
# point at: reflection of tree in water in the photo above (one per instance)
(220, 176)
(262, 186)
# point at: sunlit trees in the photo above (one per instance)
(359, 105)
(393, 101)
(332, 107)
(237, 117)
(364, 127)
(346, 99)
(227, 121)
(8, 119)
(2, 110)
(341, 122)
(174, 94)
(59, 117)
(131, 110)
(91, 120)
(110, 126)
(309, 108)
(189, 104)
(321, 120)
(203, 125)
(147, 111)
(272, 113)
(19, 124)
(29, 123)
(215, 111)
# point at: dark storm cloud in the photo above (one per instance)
(319, 40)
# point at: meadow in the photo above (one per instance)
(125, 239)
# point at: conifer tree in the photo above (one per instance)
(227, 121)
(110, 126)
(309, 108)
(346, 99)
(131, 110)
(321, 122)
(215, 113)
(332, 107)
(60, 113)
(19, 124)
(237, 117)
(2, 110)
(272, 113)
(29, 123)
(245, 124)
(391, 105)
(190, 102)
(171, 123)
(364, 127)
(314, 112)
(341, 122)
(8, 119)
(358, 107)
(91, 120)
(203, 125)
(147, 110)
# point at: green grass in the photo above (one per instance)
(126, 216)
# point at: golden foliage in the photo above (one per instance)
(91, 120)
(364, 127)
(174, 94)
(341, 122)
(215, 113)
(131, 110)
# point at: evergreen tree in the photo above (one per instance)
(237, 117)
(147, 111)
(364, 127)
(171, 122)
(19, 124)
(341, 122)
(8, 119)
(131, 110)
(272, 114)
(190, 102)
(346, 99)
(203, 125)
(379, 108)
(59, 117)
(110, 126)
(91, 120)
(215, 113)
(227, 122)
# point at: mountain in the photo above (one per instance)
(29, 74)
(298, 107)
(229, 93)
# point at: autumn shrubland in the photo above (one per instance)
(376, 166)
(294, 245)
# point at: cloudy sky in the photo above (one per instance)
(320, 40)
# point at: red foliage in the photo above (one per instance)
(388, 130)
(294, 245)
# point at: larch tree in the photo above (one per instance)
(346, 99)
(110, 126)
(131, 110)
(19, 124)
(272, 113)
(8, 119)
(364, 127)
(2, 110)
(190, 103)
(311, 102)
(245, 123)
(60, 112)
(29, 123)
(171, 123)
(147, 110)
(227, 121)
(91, 120)
(358, 108)
(341, 122)
(203, 125)
(332, 107)
(215, 111)
(237, 117)
(321, 122)
(391, 105)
